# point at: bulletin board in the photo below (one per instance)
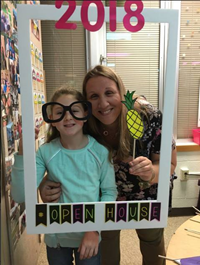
(199, 109)
(59, 218)
(10, 115)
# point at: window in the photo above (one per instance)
(136, 56)
(189, 69)
(64, 55)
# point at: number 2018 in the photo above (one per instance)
(63, 24)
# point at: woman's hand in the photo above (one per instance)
(89, 245)
(50, 191)
(142, 167)
(148, 170)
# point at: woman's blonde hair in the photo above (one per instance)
(124, 146)
(63, 90)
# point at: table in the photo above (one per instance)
(184, 244)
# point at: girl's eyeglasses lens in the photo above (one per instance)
(77, 110)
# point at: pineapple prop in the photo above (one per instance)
(133, 119)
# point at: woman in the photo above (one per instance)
(136, 178)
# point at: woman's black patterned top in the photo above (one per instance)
(132, 187)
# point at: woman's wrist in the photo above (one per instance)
(152, 177)
(145, 184)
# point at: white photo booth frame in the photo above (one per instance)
(107, 214)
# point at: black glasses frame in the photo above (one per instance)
(65, 109)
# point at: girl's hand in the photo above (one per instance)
(37, 130)
(142, 167)
(50, 191)
(89, 245)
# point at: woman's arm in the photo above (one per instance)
(155, 165)
(148, 170)
(173, 160)
(49, 191)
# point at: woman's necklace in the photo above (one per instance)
(109, 132)
(105, 133)
(111, 136)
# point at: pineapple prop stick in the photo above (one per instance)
(133, 119)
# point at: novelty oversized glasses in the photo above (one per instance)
(55, 112)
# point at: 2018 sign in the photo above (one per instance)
(63, 24)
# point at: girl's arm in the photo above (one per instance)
(89, 245)
(17, 179)
(20, 152)
(17, 174)
(90, 242)
(107, 182)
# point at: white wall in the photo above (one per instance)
(185, 193)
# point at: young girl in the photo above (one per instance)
(80, 164)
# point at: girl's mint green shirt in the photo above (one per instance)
(82, 174)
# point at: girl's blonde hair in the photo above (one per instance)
(63, 90)
(124, 146)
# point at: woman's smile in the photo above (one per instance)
(105, 112)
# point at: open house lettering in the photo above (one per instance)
(83, 213)
(63, 23)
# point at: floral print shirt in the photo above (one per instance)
(132, 187)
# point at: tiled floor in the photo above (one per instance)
(130, 254)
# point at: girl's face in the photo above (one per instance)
(68, 126)
(104, 95)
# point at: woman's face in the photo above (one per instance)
(104, 95)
